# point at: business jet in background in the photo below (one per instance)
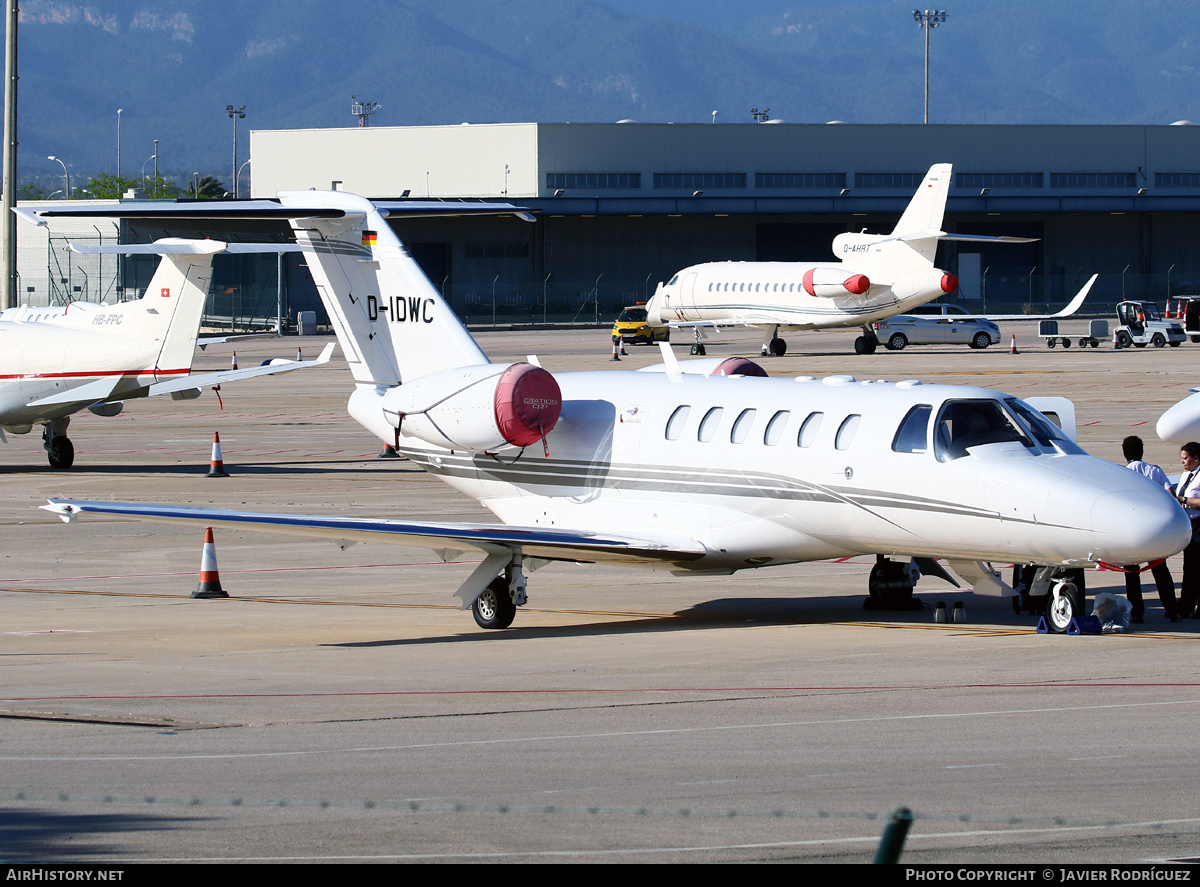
(57, 361)
(876, 276)
(703, 467)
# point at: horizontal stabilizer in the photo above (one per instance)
(541, 542)
(183, 383)
(263, 209)
(180, 247)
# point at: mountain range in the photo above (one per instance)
(173, 66)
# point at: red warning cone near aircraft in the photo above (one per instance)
(210, 578)
(216, 468)
(233, 364)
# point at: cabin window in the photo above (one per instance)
(775, 428)
(676, 422)
(741, 426)
(808, 431)
(708, 425)
(913, 434)
(845, 432)
(963, 424)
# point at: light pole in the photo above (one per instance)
(196, 185)
(144, 162)
(120, 111)
(929, 19)
(235, 114)
(66, 177)
(156, 160)
(240, 168)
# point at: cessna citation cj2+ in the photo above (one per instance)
(876, 276)
(57, 361)
(698, 467)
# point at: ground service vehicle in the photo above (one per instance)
(1140, 325)
(631, 326)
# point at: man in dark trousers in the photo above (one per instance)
(1133, 450)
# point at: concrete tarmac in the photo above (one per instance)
(339, 707)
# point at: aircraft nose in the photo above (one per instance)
(1133, 526)
(1181, 423)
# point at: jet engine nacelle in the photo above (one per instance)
(477, 408)
(830, 282)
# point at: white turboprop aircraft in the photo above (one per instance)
(699, 468)
(57, 361)
(876, 276)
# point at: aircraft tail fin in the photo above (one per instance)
(392, 323)
(921, 225)
(169, 312)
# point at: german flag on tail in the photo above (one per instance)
(369, 238)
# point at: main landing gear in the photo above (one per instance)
(867, 342)
(697, 347)
(496, 606)
(773, 346)
(60, 452)
(891, 582)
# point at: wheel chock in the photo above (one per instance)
(1085, 625)
(1043, 626)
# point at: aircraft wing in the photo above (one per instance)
(1071, 308)
(537, 542)
(102, 389)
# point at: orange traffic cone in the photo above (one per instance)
(216, 468)
(210, 579)
(233, 365)
(1012, 349)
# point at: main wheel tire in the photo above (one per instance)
(494, 608)
(981, 340)
(777, 347)
(897, 342)
(698, 349)
(1158, 340)
(1061, 610)
(61, 454)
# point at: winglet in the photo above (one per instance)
(1078, 300)
(65, 510)
(674, 373)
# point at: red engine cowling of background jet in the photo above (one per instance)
(830, 282)
(479, 408)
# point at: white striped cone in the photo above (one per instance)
(299, 356)
(216, 468)
(1013, 348)
(210, 579)
(233, 364)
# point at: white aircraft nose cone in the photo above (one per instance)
(1136, 526)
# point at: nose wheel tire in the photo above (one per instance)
(494, 608)
(1061, 609)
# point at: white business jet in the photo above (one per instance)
(57, 361)
(688, 467)
(1180, 424)
(876, 276)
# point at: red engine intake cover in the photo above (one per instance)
(949, 282)
(528, 403)
(738, 366)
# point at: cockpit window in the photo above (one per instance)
(913, 433)
(1044, 431)
(674, 280)
(963, 424)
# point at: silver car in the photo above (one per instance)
(936, 329)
